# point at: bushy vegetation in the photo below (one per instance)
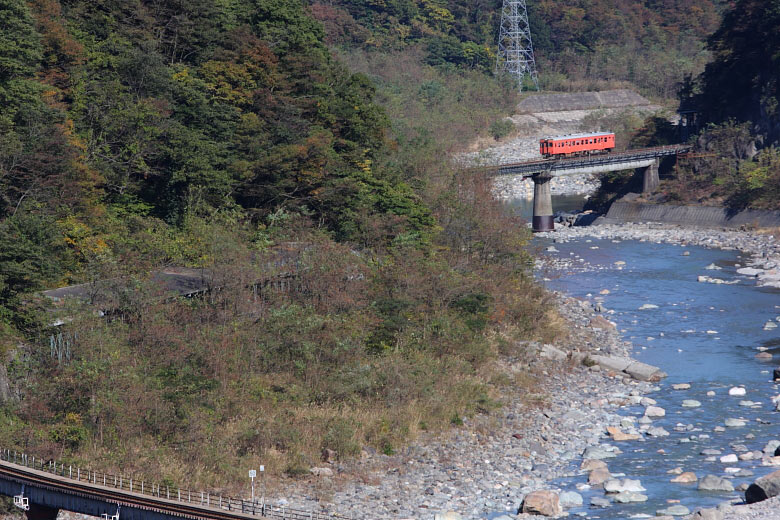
(227, 137)
(728, 170)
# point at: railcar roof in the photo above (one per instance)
(579, 136)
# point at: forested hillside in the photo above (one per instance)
(225, 136)
(737, 100)
(580, 45)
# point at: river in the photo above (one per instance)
(701, 333)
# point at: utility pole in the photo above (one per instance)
(515, 47)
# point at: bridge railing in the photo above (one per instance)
(140, 486)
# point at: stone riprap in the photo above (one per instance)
(704, 216)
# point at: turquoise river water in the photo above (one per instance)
(701, 333)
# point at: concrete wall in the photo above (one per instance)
(702, 216)
(581, 101)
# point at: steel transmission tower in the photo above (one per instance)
(515, 48)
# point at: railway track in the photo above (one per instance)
(568, 163)
(129, 493)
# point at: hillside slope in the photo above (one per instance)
(351, 274)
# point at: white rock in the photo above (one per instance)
(691, 403)
(737, 390)
(627, 497)
(734, 423)
(648, 306)
(655, 411)
(729, 459)
(620, 486)
(449, 515)
(570, 499)
(657, 432)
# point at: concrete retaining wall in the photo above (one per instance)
(581, 101)
(703, 216)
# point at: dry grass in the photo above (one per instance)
(773, 231)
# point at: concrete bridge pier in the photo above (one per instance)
(651, 179)
(543, 213)
(39, 512)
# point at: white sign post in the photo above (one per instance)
(262, 470)
(252, 475)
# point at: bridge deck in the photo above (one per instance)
(573, 165)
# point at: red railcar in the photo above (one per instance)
(579, 144)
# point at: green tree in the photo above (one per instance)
(20, 46)
(743, 80)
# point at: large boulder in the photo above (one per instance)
(626, 484)
(570, 499)
(685, 478)
(715, 483)
(449, 515)
(765, 487)
(675, 510)
(591, 464)
(626, 497)
(644, 372)
(637, 370)
(707, 514)
(598, 476)
(545, 503)
(550, 352)
(614, 363)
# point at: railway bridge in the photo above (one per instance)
(41, 488)
(541, 171)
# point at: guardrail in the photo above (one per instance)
(550, 165)
(185, 496)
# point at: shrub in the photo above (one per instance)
(501, 128)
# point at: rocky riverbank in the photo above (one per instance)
(579, 417)
(761, 268)
(764, 249)
(494, 461)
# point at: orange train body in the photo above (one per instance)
(579, 144)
